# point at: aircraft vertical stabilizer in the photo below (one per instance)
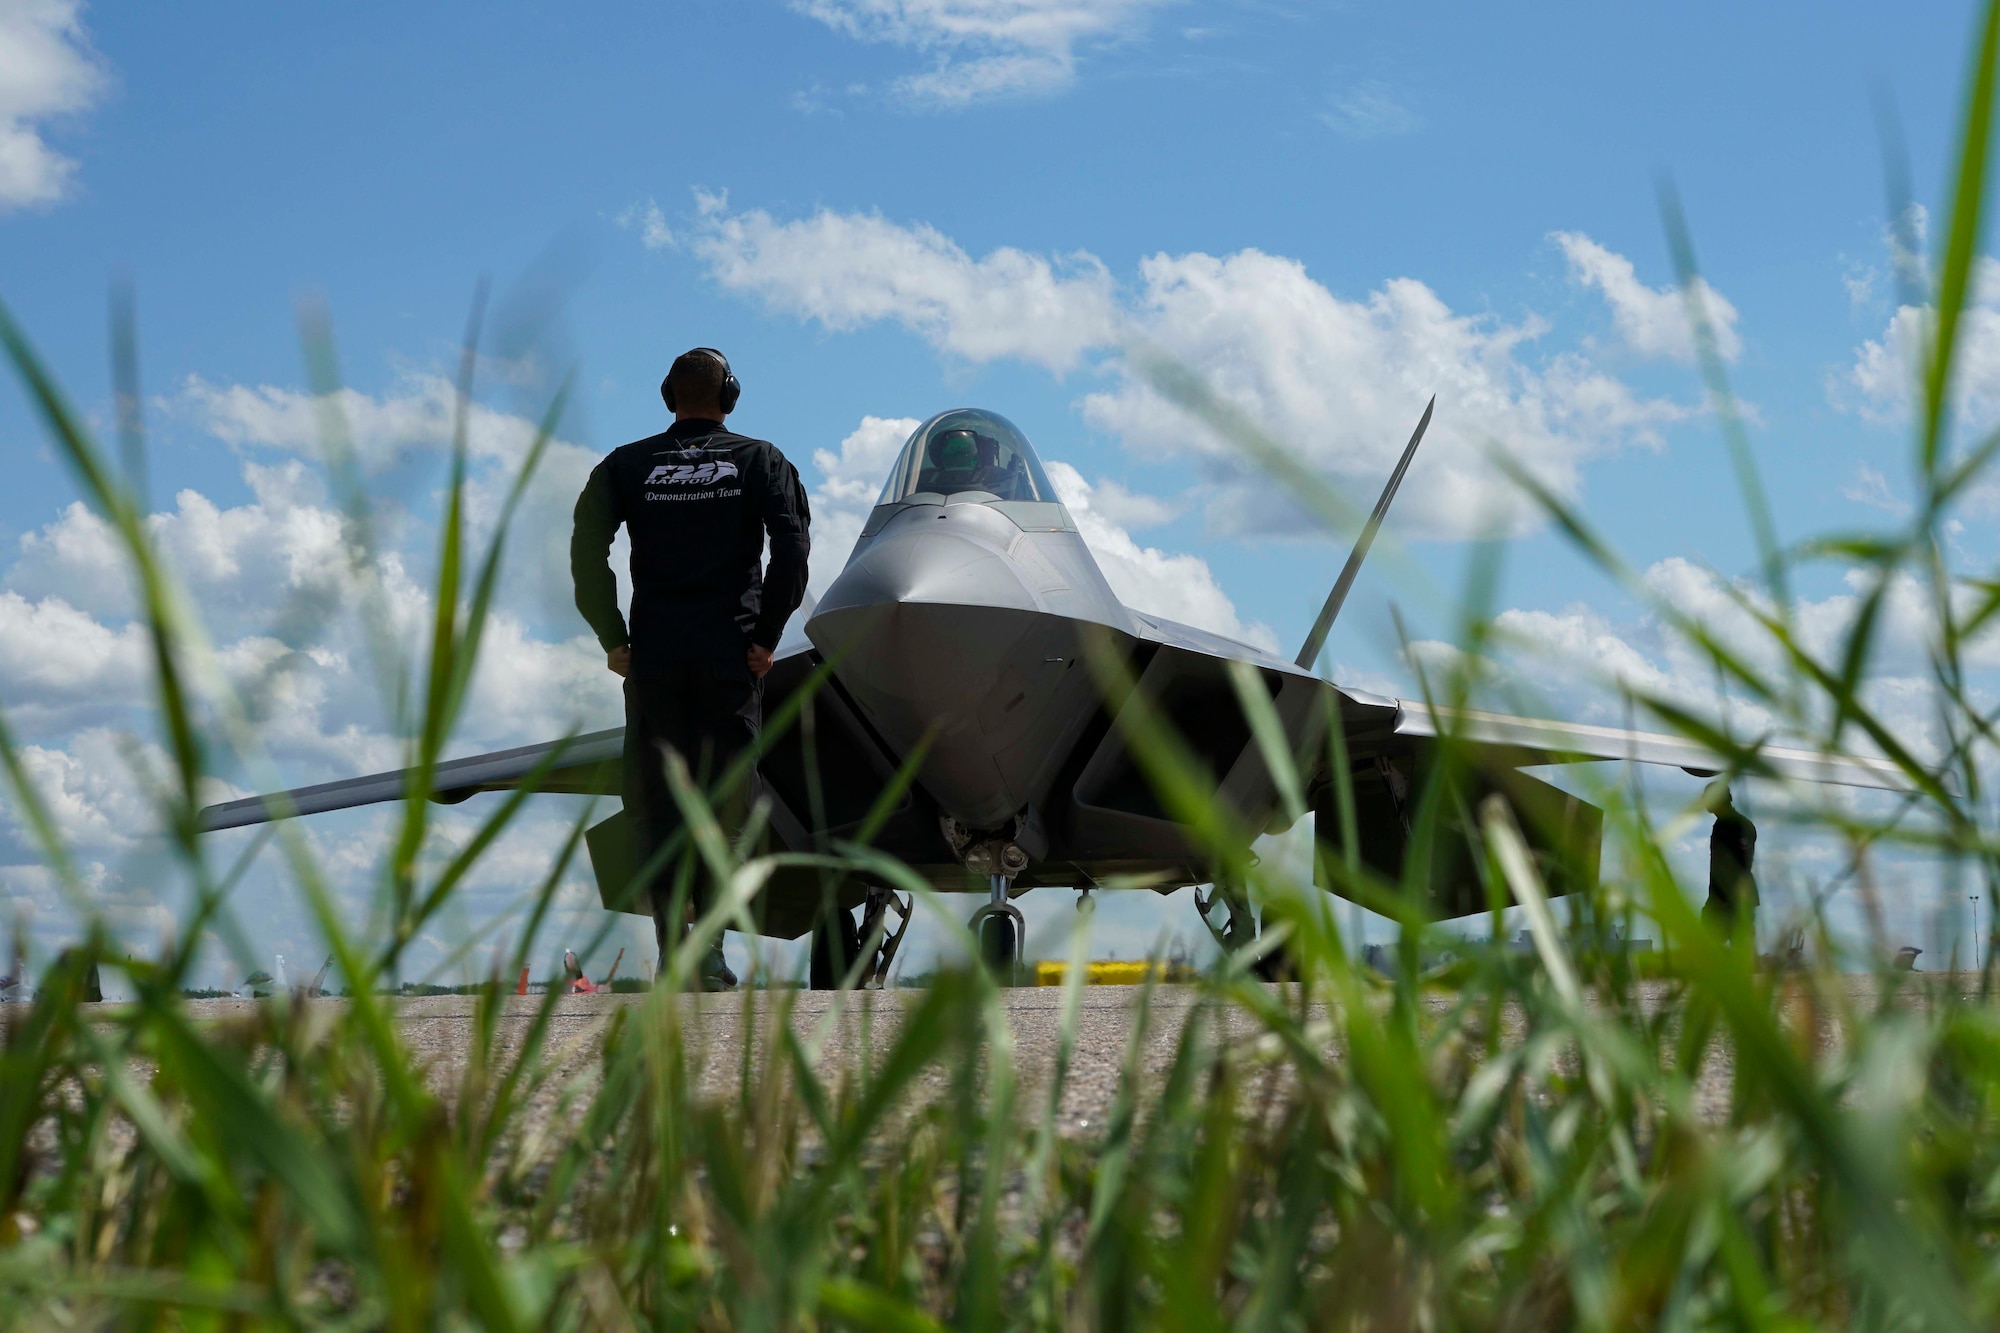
(1315, 641)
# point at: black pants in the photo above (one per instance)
(709, 713)
(1729, 904)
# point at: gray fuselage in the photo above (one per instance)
(961, 618)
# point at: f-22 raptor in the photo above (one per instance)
(969, 628)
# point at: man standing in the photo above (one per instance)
(697, 501)
(1732, 854)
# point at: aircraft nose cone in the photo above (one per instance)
(929, 566)
(921, 630)
(921, 616)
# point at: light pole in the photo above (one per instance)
(1974, 899)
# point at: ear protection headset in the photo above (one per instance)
(732, 389)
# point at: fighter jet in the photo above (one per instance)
(971, 629)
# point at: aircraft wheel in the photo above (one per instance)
(1276, 965)
(998, 944)
(836, 943)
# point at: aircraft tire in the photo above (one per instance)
(1276, 966)
(836, 943)
(997, 943)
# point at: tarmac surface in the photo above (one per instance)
(843, 1028)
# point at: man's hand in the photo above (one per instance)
(619, 659)
(759, 660)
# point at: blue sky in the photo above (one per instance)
(884, 207)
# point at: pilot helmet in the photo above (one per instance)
(955, 451)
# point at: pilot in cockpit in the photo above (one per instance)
(965, 452)
(966, 460)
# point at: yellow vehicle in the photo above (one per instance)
(1113, 972)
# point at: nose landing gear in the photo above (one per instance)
(999, 927)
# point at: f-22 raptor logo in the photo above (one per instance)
(691, 474)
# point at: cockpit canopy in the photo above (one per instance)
(967, 449)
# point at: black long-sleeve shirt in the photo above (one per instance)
(1732, 858)
(698, 501)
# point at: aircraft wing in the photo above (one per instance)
(1158, 629)
(584, 759)
(1377, 721)
(1524, 741)
(589, 766)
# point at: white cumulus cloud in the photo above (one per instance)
(651, 224)
(850, 483)
(61, 664)
(416, 417)
(1130, 509)
(47, 71)
(1177, 587)
(1653, 321)
(1879, 382)
(1582, 657)
(420, 413)
(845, 270)
(1340, 381)
(983, 49)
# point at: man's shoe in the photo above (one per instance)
(715, 973)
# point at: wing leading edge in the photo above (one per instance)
(1520, 742)
(588, 766)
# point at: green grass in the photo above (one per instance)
(1524, 1147)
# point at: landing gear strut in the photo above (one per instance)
(999, 927)
(1239, 930)
(1239, 927)
(837, 943)
(875, 926)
